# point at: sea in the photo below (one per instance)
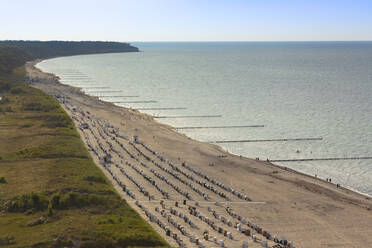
(265, 95)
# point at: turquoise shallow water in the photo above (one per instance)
(297, 90)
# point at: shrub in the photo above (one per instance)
(26, 125)
(16, 91)
(2, 179)
(50, 210)
(35, 106)
(74, 200)
(5, 87)
(40, 202)
(32, 201)
(7, 240)
(54, 201)
(57, 120)
(97, 179)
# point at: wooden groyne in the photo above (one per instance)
(318, 159)
(95, 87)
(149, 101)
(188, 116)
(265, 140)
(72, 75)
(85, 80)
(118, 96)
(73, 72)
(219, 127)
(104, 91)
(74, 78)
(160, 108)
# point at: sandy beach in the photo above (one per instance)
(189, 190)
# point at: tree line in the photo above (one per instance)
(16, 53)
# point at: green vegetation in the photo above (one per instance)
(95, 179)
(10, 58)
(48, 49)
(57, 201)
(54, 195)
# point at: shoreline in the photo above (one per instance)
(346, 187)
(238, 168)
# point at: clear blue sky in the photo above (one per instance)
(186, 20)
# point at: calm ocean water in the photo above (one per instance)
(296, 90)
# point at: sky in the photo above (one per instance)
(186, 20)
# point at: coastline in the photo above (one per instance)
(297, 205)
(345, 187)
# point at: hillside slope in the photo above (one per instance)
(51, 192)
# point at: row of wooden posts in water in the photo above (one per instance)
(220, 127)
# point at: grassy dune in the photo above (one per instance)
(51, 192)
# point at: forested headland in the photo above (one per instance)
(16, 53)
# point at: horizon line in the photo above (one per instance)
(191, 41)
(253, 41)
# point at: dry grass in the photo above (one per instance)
(41, 156)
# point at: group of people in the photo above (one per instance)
(216, 182)
(108, 132)
(152, 217)
(175, 175)
(149, 179)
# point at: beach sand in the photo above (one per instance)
(306, 210)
